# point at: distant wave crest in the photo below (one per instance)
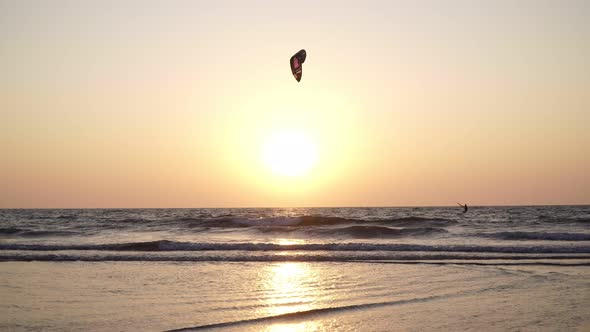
(310, 221)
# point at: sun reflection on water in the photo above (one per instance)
(287, 242)
(290, 288)
(297, 327)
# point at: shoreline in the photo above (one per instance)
(253, 296)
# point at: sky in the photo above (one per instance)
(402, 103)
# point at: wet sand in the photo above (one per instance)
(258, 296)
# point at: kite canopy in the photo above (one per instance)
(296, 62)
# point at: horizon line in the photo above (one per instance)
(281, 207)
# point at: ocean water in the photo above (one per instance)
(300, 269)
(315, 234)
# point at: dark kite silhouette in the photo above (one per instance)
(296, 63)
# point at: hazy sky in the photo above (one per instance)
(170, 103)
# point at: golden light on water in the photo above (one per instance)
(293, 287)
(296, 327)
(286, 242)
(286, 283)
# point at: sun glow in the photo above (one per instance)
(285, 153)
(290, 154)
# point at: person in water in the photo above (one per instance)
(465, 208)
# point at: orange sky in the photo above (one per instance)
(171, 103)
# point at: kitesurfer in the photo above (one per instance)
(464, 206)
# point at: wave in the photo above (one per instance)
(540, 236)
(165, 245)
(367, 232)
(133, 220)
(553, 219)
(227, 220)
(419, 221)
(30, 233)
(302, 221)
(311, 221)
(8, 231)
(47, 233)
(355, 231)
(66, 216)
(200, 221)
(446, 258)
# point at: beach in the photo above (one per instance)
(292, 296)
(318, 269)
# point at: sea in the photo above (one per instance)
(296, 269)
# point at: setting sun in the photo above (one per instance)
(290, 154)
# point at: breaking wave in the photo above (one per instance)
(367, 232)
(307, 221)
(367, 257)
(540, 236)
(164, 245)
(33, 233)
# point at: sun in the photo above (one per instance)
(290, 153)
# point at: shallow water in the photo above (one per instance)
(290, 296)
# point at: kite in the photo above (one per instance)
(296, 62)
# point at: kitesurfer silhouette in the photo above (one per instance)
(464, 206)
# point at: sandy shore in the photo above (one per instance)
(292, 297)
